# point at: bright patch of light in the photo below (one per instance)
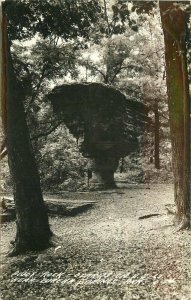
(131, 38)
(95, 57)
(135, 52)
(134, 16)
(85, 55)
(129, 5)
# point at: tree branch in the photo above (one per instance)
(95, 68)
(36, 91)
(106, 17)
(3, 149)
(153, 52)
(117, 71)
(3, 154)
(49, 131)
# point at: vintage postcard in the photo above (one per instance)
(95, 150)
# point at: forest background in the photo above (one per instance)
(123, 48)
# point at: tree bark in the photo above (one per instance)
(33, 232)
(157, 136)
(175, 26)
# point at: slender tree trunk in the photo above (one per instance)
(121, 169)
(174, 27)
(33, 232)
(157, 136)
(106, 18)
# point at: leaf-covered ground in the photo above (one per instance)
(106, 252)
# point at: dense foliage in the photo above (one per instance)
(65, 19)
(60, 163)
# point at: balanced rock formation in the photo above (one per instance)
(104, 120)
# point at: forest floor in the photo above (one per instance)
(107, 252)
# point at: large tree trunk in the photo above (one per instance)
(33, 232)
(174, 27)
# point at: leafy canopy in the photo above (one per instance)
(64, 18)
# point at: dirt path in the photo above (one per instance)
(106, 253)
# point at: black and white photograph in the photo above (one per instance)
(95, 150)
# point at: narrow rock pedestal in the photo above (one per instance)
(103, 169)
